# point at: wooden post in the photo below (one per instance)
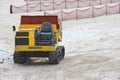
(53, 4)
(77, 3)
(27, 5)
(65, 4)
(40, 5)
(11, 9)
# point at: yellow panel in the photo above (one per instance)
(33, 26)
(35, 48)
(29, 26)
(31, 38)
(54, 28)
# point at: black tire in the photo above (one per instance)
(26, 59)
(18, 58)
(63, 52)
(55, 58)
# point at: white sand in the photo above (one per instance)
(92, 51)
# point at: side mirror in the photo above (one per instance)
(14, 28)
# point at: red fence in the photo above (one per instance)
(86, 12)
(83, 3)
(105, 1)
(99, 10)
(59, 4)
(76, 11)
(44, 5)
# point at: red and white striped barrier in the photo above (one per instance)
(59, 4)
(46, 5)
(115, 1)
(14, 9)
(33, 2)
(85, 12)
(73, 13)
(71, 4)
(33, 8)
(69, 14)
(105, 1)
(99, 10)
(55, 12)
(83, 3)
(94, 2)
(113, 8)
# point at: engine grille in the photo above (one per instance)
(21, 41)
(22, 34)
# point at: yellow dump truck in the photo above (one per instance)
(38, 36)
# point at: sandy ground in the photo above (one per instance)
(92, 51)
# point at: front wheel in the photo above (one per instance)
(57, 56)
(18, 58)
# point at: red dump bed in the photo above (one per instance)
(39, 19)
